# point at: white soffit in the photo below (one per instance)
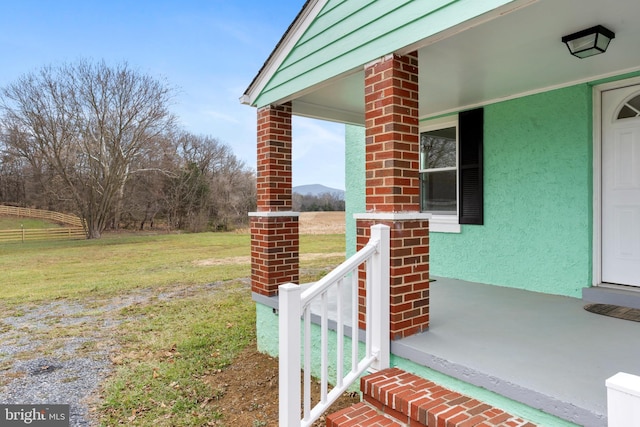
(513, 54)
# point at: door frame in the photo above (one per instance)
(597, 174)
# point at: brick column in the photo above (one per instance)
(393, 188)
(392, 135)
(274, 227)
(409, 271)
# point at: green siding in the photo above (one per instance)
(348, 34)
(538, 198)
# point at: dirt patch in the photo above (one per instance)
(247, 259)
(246, 392)
(223, 261)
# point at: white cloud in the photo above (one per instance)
(311, 134)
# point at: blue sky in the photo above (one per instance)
(209, 49)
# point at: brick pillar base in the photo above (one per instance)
(409, 272)
(274, 251)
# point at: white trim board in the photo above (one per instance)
(541, 90)
(290, 38)
(597, 172)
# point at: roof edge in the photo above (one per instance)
(296, 29)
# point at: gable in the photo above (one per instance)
(343, 35)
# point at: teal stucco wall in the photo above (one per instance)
(267, 333)
(537, 233)
(355, 172)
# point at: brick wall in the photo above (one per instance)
(274, 158)
(274, 252)
(393, 187)
(392, 135)
(409, 275)
(274, 228)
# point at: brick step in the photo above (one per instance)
(416, 402)
(360, 415)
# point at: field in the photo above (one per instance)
(168, 316)
(310, 223)
(322, 222)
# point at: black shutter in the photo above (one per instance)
(470, 165)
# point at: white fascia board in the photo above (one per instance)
(298, 28)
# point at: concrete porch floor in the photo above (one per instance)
(542, 350)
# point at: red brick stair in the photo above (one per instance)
(396, 398)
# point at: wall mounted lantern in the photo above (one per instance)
(589, 42)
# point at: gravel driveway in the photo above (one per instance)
(59, 352)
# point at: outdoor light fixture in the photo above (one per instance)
(589, 42)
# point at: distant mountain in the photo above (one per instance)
(317, 190)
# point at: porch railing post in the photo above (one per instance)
(623, 400)
(380, 302)
(289, 355)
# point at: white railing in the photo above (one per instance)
(623, 400)
(295, 303)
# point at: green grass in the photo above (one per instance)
(13, 223)
(35, 271)
(168, 347)
(46, 270)
(170, 350)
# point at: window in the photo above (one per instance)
(451, 170)
(630, 109)
(439, 171)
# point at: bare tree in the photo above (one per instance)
(145, 192)
(90, 125)
(233, 192)
(213, 189)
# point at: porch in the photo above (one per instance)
(542, 350)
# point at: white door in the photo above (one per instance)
(621, 186)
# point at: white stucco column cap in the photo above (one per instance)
(378, 60)
(393, 216)
(274, 214)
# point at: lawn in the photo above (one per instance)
(36, 271)
(12, 223)
(166, 348)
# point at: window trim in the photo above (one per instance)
(440, 223)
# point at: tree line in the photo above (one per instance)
(100, 141)
(317, 202)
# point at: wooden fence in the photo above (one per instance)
(41, 214)
(29, 234)
(74, 231)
